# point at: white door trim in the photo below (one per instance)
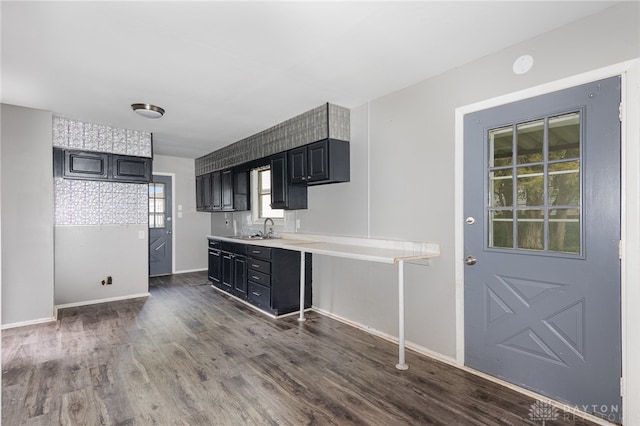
(173, 218)
(630, 273)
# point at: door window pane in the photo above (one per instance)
(531, 229)
(530, 142)
(564, 230)
(530, 185)
(501, 188)
(501, 228)
(564, 183)
(157, 205)
(564, 136)
(501, 147)
(548, 186)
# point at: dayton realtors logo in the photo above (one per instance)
(541, 411)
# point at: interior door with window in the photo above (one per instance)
(542, 273)
(160, 226)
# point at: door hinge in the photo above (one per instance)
(620, 114)
(620, 249)
(621, 386)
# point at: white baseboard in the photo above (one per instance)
(93, 302)
(452, 361)
(409, 345)
(30, 322)
(186, 271)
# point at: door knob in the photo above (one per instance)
(470, 260)
(168, 232)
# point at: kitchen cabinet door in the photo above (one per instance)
(227, 271)
(86, 165)
(125, 168)
(241, 191)
(215, 273)
(321, 162)
(298, 165)
(226, 178)
(285, 195)
(240, 276)
(216, 191)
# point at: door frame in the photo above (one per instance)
(173, 218)
(630, 214)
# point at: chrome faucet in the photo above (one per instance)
(264, 234)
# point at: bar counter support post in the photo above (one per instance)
(401, 365)
(302, 285)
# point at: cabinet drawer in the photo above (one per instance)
(260, 278)
(235, 248)
(260, 265)
(261, 252)
(259, 295)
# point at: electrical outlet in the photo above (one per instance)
(109, 280)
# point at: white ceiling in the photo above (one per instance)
(226, 70)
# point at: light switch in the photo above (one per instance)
(179, 208)
(179, 214)
(141, 235)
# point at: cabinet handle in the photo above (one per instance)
(304, 178)
(255, 294)
(255, 251)
(255, 266)
(255, 278)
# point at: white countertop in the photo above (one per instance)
(368, 249)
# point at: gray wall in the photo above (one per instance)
(403, 158)
(85, 255)
(27, 215)
(190, 229)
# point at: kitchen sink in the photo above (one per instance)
(257, 237)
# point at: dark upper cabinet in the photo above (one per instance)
(322, 162)
(86, 165)
(216, 191)
(285, 195)
(241, 190)
(126, 168)
(203, 192)
(226, 182)
(226, 190)
(74, 164)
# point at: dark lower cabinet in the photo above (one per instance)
(240, 276)
(232, 270)
(215, 263)
(268, 278)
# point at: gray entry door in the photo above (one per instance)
(160, 226)
(542, 231)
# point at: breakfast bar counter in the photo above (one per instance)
(365, 249)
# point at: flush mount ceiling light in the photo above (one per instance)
(148, 110)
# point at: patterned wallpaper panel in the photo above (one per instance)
(95, 137)
(326, 121)
(85, 202)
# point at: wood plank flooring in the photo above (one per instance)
(188, 355)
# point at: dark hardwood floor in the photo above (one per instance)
(188, 355)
